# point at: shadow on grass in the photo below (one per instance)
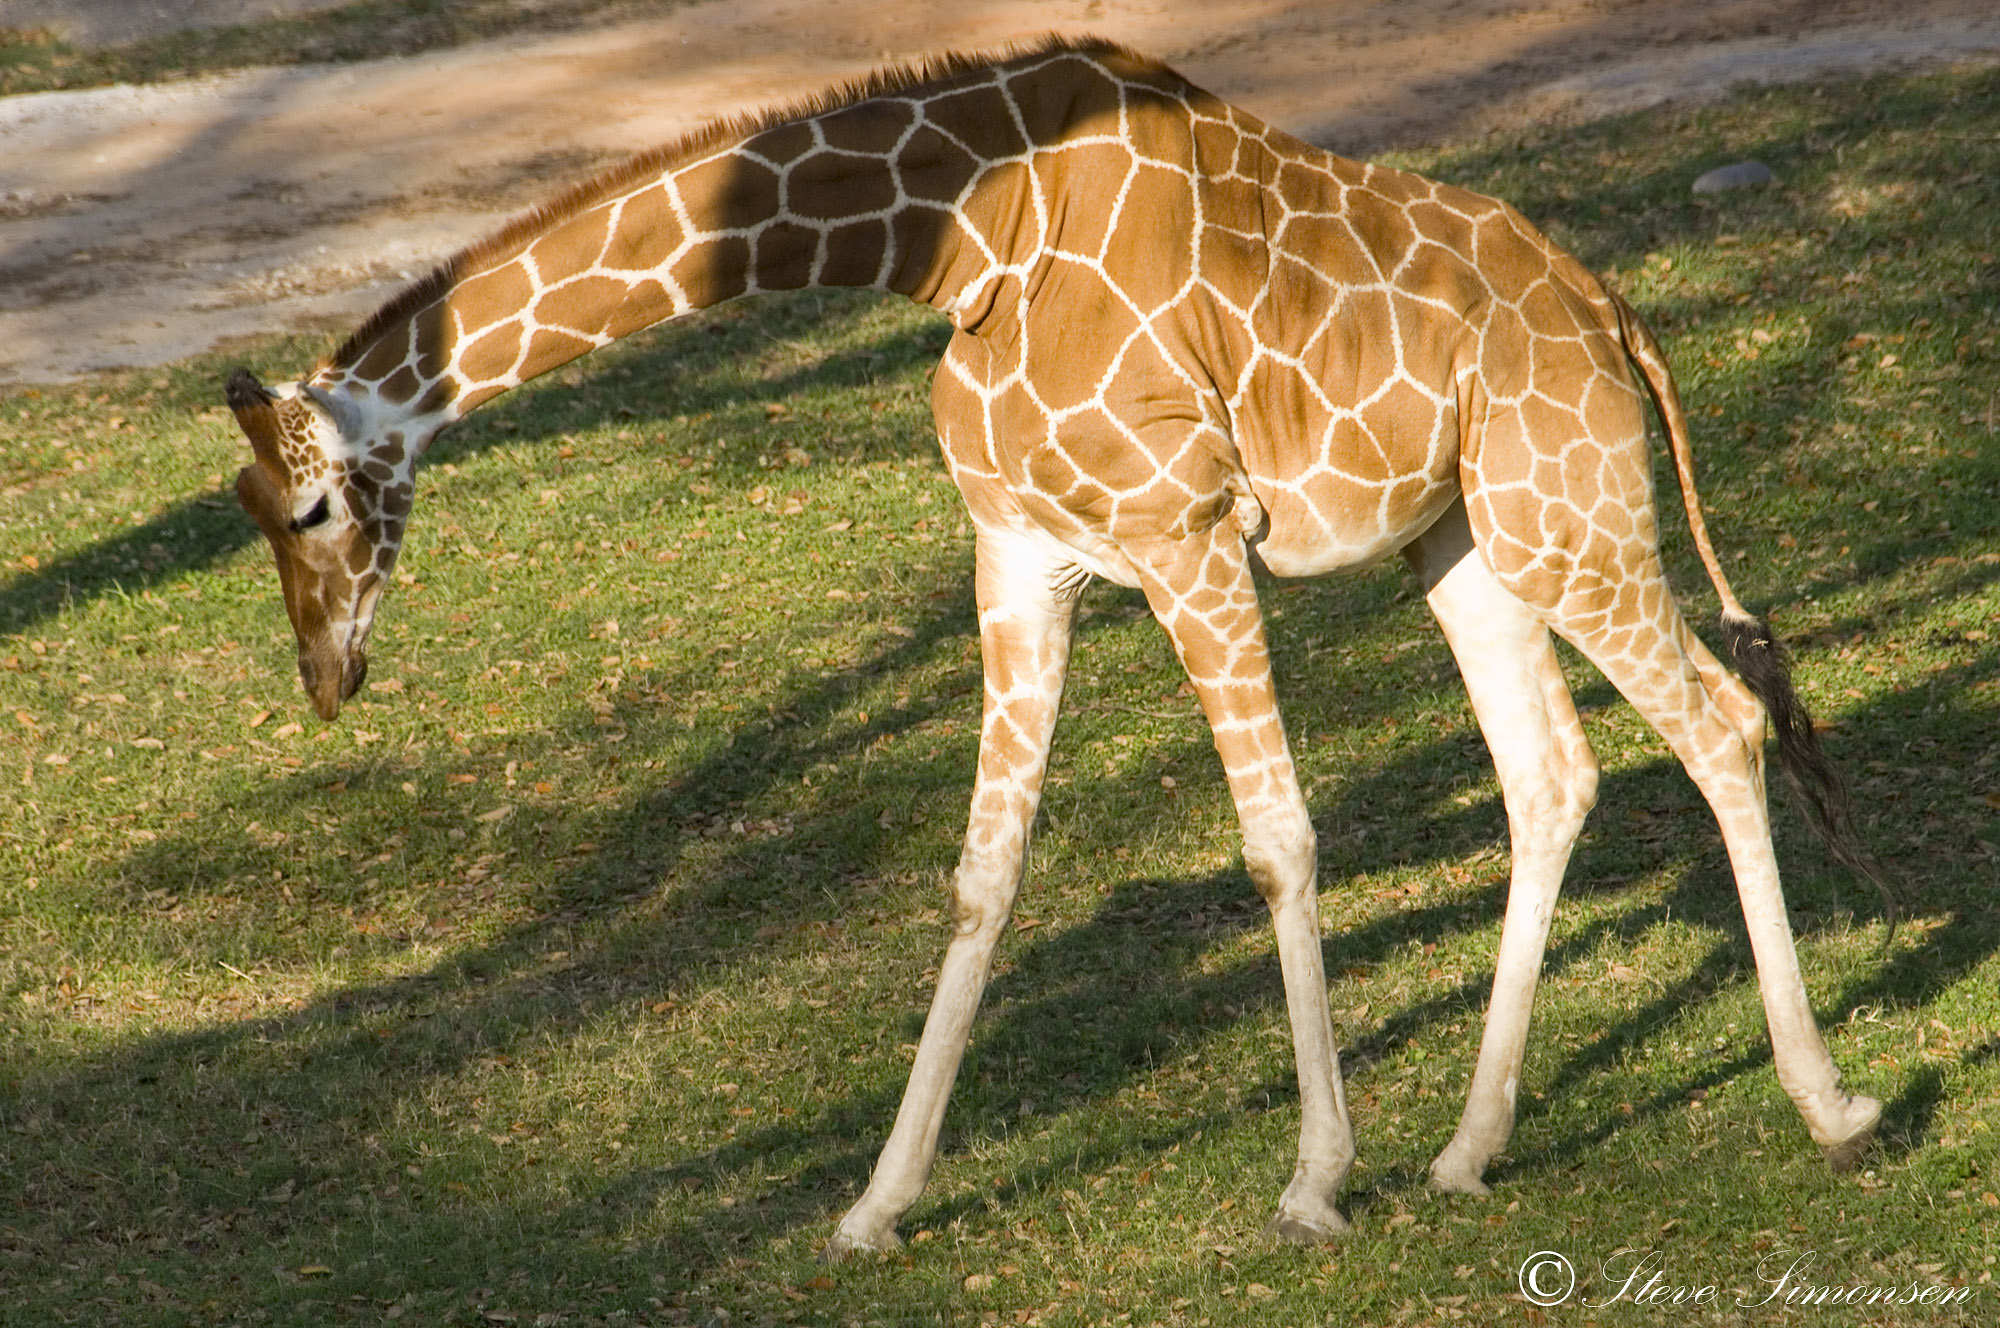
(200, 533)
(1632, 210)
(659, 909)
(668, 910)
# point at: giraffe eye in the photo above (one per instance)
(315, 517)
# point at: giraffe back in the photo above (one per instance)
(1204, 316)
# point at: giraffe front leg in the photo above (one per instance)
(1548, 779)
(1204, 597)
(1026, 615)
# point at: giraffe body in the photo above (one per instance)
(1186, 345)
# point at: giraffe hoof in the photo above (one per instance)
(1448, 1180)
(846, 1243)
(1457, 1172)
(1297, 1229)
(1846, 1154)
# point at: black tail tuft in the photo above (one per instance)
(1766, 669)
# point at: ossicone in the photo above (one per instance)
(257, 415)
(244, 392)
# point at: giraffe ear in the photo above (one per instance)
(257, 415)
(339, 409)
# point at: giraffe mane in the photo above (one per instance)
(886, 81)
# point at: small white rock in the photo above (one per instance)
(1739, 175)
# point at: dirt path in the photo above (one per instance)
(139, 225)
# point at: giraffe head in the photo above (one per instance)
(332, 498)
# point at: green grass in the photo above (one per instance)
(571, 978)
(39, 60)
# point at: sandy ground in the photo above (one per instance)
(111, 22)
(139, 225)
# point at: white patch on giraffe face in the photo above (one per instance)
(331, 497)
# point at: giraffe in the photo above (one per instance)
(1186, 347)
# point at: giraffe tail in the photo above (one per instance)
(1760, 658)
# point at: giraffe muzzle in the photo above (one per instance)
(330, 683)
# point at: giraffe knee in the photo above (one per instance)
(1746, 715)
(1742, 751)
(981, 898)
(1282, 859)
(1580, 788)
(1552, 807)
(1733, 697)
(1732, 732)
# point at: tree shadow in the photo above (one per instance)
(665, 919)
(202, 532)
(661, 920)
(191, 536)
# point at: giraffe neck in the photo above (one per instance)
(927, 190)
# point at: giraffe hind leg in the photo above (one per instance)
(1676, 685)
(1548, 780)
